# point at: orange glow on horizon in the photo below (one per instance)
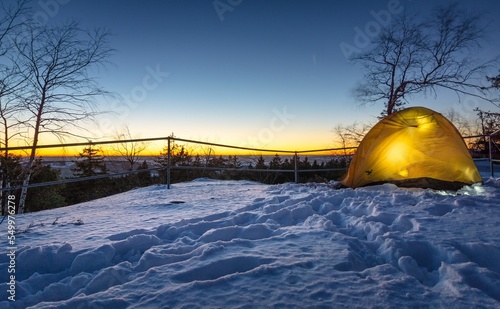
(202, 150)
(154, 148)
(152, 153)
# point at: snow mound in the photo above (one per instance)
(243, 244)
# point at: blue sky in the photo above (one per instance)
(252, 73)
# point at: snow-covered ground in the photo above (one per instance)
(240, 244)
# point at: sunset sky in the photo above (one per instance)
(268, 74)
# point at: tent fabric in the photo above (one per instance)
(413, 147)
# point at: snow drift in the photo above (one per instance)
(236, 244)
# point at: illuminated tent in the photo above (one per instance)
(415, 147)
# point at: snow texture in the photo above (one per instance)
(239, 244)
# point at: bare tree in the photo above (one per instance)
(57, 63)
(351, 135)
(9, 108)
(464, 125)
(129, 150)
(411, 56)
(9, 127)
(12, 17)
(495, 82)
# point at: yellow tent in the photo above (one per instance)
(415, 147)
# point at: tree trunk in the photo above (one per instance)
(391, 104)
(4, 181)
(28, 171)
(26, 181)
(4, 205)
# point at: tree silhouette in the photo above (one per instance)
(90, 163)
(13, 15)
(495, 81)
(56, 63)
(44, 197)
(413, 56)
(129, 150)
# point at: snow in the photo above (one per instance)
(240, 244)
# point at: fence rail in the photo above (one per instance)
(171, 167)
(169, 138)
(491, 144)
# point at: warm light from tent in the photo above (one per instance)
(397, 152)
(468, 172)
(425, 123)
(412, 144)
(403, 173)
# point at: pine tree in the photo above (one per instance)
(11, 171)
(233, 162)
(144, 178)
(287, 164)
(261, 163)
(44, 197)
(90, 163)
(305, 164)
(275, 162)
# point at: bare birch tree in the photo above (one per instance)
(9, 126)
(12, 17)
(413, 56)
(57, 63)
